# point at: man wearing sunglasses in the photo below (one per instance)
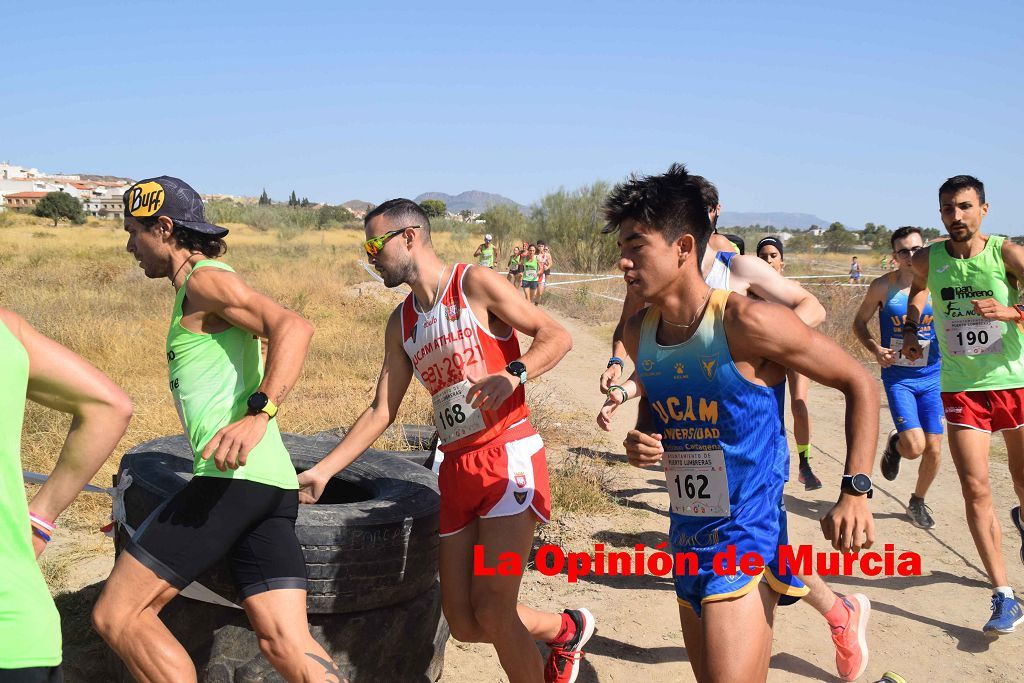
(911, 387)
(456, 332)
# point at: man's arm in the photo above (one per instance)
(632, 304)
(758, 330)
(763, 281)
(868, 307)
(226, 295)
(499, 298)
(916, 301)
(1013, 259)
(642, 444)
(479, 249)
(395, 375)
(60, 379)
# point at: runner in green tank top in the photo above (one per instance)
(973, 280)
(486, 253)
(49, 374)
(243, 500)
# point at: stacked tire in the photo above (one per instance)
(371, 549)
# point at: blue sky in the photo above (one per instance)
(854, 112)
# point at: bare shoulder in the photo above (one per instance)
(13, 322)
(212, 283)
(746, 316)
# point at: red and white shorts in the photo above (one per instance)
(992, 410)
(504, 478)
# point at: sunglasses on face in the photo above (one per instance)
(908, 252)
(373, 245)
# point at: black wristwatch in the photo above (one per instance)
(261, 403)
(517, 369)
(857, 485)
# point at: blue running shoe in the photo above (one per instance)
(1017, 522)
(1006, 615)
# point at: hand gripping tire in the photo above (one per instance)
(371, 541)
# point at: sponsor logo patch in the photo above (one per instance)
(145, 199)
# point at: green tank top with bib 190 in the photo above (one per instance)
(29, 623)
(211, 379)
(977, 354)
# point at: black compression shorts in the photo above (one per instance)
(253, 524)
(34, 674)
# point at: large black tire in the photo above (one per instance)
(371, 541)
(422, 441)
(402, 642)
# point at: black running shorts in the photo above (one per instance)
(34, 674)
(253, 524)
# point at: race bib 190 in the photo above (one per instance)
(972, 336)
(697, 483)
(453, 416)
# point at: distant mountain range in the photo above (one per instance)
(795, 221)
(474, 200)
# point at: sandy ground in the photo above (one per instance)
(926, 628)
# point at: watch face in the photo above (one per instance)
(861, 482)
(258, 401)
(516, 367)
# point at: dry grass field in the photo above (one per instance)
(78, 286)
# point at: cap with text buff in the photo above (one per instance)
(171, 197)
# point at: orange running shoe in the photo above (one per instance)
(851, 640)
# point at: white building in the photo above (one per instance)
(11, 172)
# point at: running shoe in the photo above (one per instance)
(920, 514)
(851, 640)
(563, 664)
(891, 457)
(808, 478)
(1006, 615)
(1019, 523)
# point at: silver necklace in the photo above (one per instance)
(437, 291)
(695, 314)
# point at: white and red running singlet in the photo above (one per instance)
(443, 343)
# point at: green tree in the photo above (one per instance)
(58, 205)
(930, 233)
(304, 203)
(465, 214)
(293, 201)
(434, 208)
(264, 199)
(328, 216)
(570, 223)
(838, 238)
(801, 243)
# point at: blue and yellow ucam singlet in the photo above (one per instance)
(891, 317)
(725, 454)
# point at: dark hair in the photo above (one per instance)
(905, 231)
(773, 241)
(208, 245)
(708, 191)
(404, 211)
(670, 203)
(541, 243)
(963, 182)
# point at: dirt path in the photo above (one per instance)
(927, 628)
